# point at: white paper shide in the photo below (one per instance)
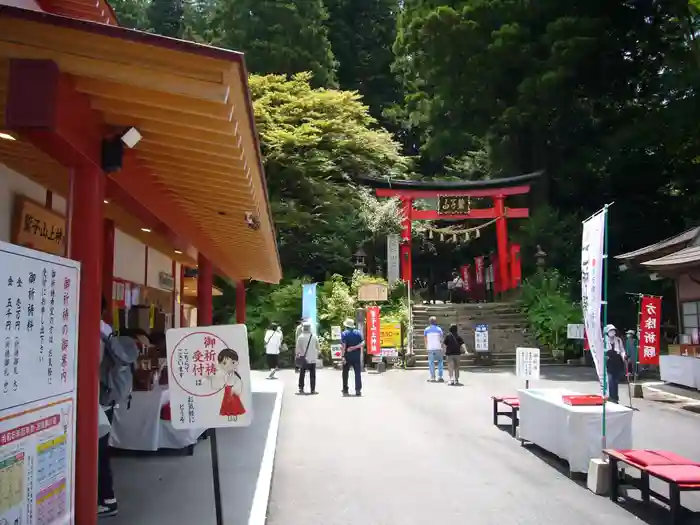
(38, 331)
(209, 377)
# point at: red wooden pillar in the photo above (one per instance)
(515, 268)
(240, 302)
(502, 243)
(405, 248)
(108, 268)
(205, 281)
(86, 232)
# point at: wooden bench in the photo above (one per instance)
(513, 407)
(681, 475)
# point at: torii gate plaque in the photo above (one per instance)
(453, 200)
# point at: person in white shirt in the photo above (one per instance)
(434, 337)
(308, 349)
(273, 346)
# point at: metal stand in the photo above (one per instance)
(215, 474)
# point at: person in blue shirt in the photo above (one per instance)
(351, 341)
(434, 344)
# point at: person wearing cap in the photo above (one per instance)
(434, 337)
(615, 353)
(307, 347)
(351, 342)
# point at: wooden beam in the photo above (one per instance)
(480, 213)
(229, 151)
(186, 177)
(159, 132)
(108, 90)
(105, 48)
(431, 194)
(144, 112)
(132, 75)
(231, 165)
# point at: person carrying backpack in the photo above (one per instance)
(118, 356)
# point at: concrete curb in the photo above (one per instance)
(263, 487)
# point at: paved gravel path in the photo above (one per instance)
(410, 452)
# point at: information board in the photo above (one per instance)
(527, 364)
(39, 334)
(574, 331)
(481, 338)
(209, 376)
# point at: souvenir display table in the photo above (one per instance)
(680, 370)
(571, 432)
(140, 427)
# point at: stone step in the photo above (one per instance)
(504, 366)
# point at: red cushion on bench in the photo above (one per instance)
(503, 398)
(648, 458)
(514, 402)
(682, 474)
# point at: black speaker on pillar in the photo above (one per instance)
(112, 154)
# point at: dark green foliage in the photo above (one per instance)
(362, 33)
(278, 36)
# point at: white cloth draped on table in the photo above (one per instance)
(680, 370)
(571, 432)
(139, 426)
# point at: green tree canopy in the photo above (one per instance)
(278, 36)
(314, 142)
(362, 33)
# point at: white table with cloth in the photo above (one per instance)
(139, 427)
(572, 433)
(680, 370)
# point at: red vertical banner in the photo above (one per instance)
(373, 337)
(479, 278)
(465, 271)
(516, 271)
(650, 330)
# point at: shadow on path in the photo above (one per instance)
(169, 490)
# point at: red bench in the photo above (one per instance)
(681, 475)
(513, 407)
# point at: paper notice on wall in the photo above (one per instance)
(39, 335)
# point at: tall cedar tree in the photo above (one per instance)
(165, 17)
(362, 33)
(278, 36)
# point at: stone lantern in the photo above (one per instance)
(360, 259)
(540, 258)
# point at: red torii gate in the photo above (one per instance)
(498, 190)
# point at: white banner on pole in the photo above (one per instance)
(392, 259)
(592, 286)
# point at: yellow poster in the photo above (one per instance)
(390, 334)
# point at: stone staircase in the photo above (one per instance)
(507, 331)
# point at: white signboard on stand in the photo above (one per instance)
(527, 365)
(392, 259)
(209, 376)
(336, 333)
(481, 338)
(575, 331)
(39, 296)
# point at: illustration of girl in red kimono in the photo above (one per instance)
(231, 404)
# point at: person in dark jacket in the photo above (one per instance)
(454, 347)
